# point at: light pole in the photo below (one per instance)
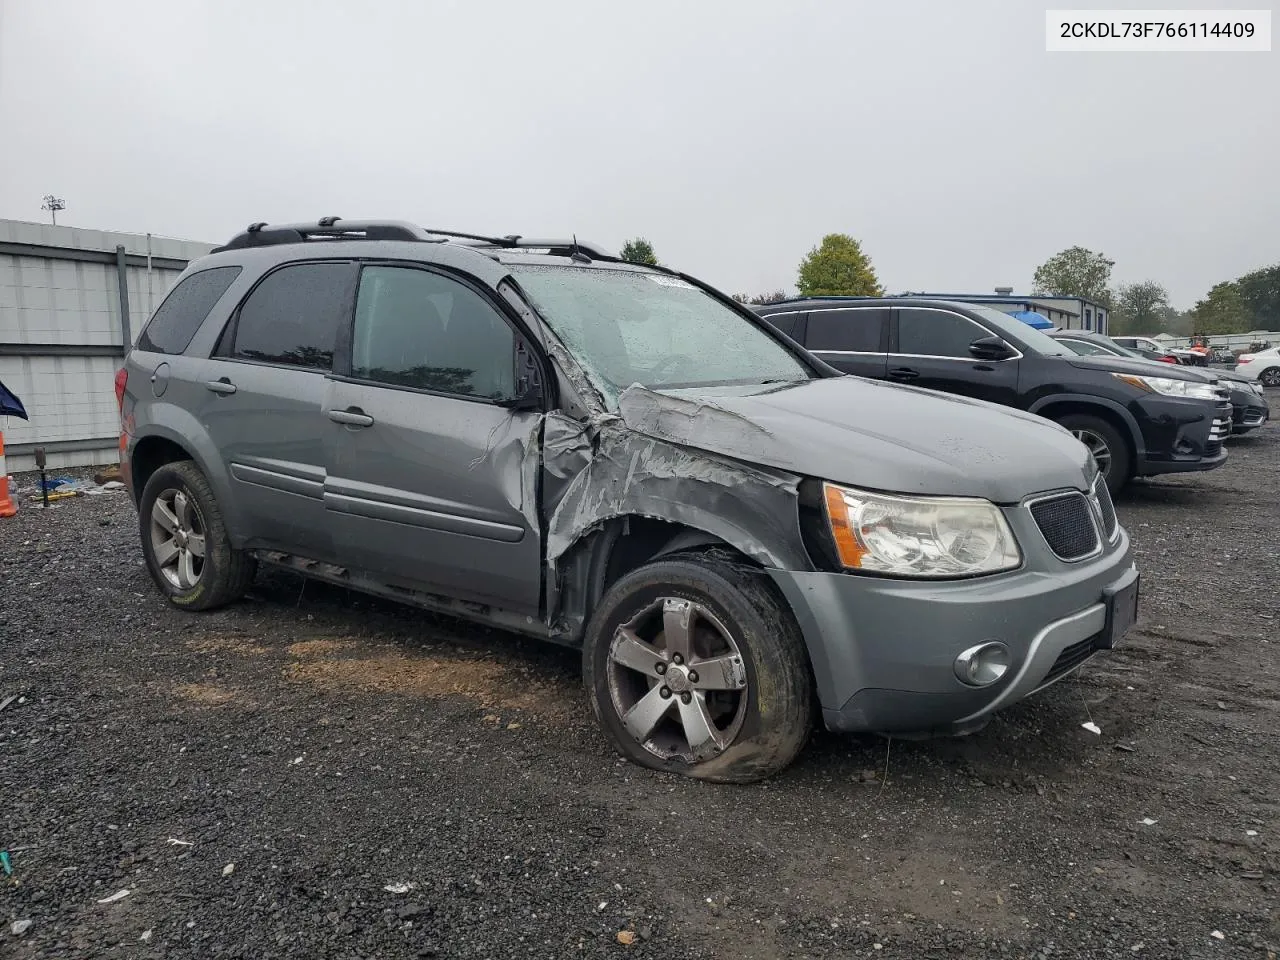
(53, 205)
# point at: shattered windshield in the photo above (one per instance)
(628, 327)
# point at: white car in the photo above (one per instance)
(1263, 365)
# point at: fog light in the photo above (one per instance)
(983, 665)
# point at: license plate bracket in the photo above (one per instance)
(1122, 612)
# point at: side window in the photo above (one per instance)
(1086, 349)
(184, 309)
(419, 329)
(292, 316)
(936, 333)
(856, 331)
(785, 322)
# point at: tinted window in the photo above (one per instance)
(786, 322)
(937, 333)
(855, 330)
(1086, 349)
(292, 316)
(184, 309)
(420, 329)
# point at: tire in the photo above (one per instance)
(1270, 376)
(1096, 433)
(760, 698)
(223, 574)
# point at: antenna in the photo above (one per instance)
(53, 205)
(576, 255)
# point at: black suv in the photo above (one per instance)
(1135, 420)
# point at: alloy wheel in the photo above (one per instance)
(1271, 377)
(177, 538)
(1098, 449)
(678, 680)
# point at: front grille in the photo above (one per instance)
(1106, 509)
(1067, 526)
(1071, 657)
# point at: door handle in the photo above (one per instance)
(903, 373)
(223, 386)
(352, 417)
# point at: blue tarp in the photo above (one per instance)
(1033, 319)
(10, 405)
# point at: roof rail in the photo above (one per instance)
(335, 228)
(326, 228)
(558, 246)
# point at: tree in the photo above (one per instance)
(1139, 308)
(838, 267)
(1260, 291)
(639, 250)
(1223, 311)
(759, 298)
(1076, 272)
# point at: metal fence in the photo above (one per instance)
(71, 303)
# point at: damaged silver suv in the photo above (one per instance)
(538, 436)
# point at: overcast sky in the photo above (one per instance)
(732, 134)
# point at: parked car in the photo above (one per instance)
(1264, 365)
(1191, 358)
(1249, 408)
(1222, 355)
(1134, 423)
(538, 436)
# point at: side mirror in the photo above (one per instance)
(990, 348)
(528, 395)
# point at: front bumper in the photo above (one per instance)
(1248, 411)
(883, 651)
(1181, 436)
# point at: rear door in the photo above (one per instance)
(852, 339)
(432, 479)
(264, 389)
(929, 347)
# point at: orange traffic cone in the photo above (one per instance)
(7, 505)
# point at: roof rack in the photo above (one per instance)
(326, 228)
(557, 246)
(335, 228)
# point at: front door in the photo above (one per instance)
(264, 391)
(929, 347)
(432, 479)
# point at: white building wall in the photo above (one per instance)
(61, 337)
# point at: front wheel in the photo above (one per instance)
(695, 665)
(1108, 448)
(185, 542)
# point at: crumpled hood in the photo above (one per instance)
(874, 435)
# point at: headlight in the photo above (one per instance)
(919, 536)
(1169, 386)
(1255, 386)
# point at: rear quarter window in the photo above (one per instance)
(185, 309)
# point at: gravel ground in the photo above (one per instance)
(257, 778)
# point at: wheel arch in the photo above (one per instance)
(176, 435)
(617, 545)
(1056, 407)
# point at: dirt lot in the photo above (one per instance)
(257, 778)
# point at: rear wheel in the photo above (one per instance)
(1270, 376)
(695, 665)
(185, 542)
(1108, 448)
